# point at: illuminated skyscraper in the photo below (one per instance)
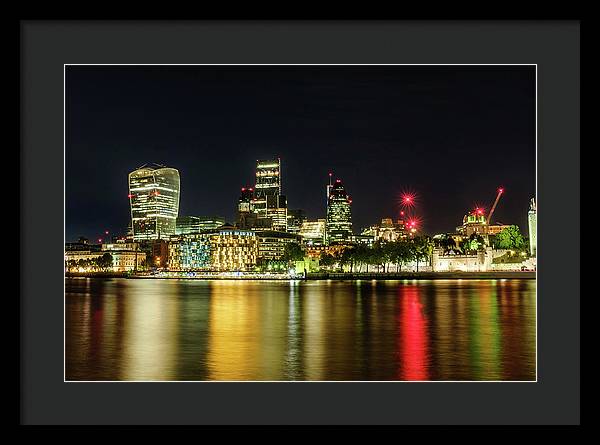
(268, 201)
(268, 185)
(339, 214)
(246, 200)
(154, 201)
(532, 223)
(246, 216)
(277, 211)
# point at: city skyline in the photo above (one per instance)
(448, 184)
(154, 173)
(306, 183)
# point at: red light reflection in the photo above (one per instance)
(412, 340)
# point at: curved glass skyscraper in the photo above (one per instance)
(154, 200)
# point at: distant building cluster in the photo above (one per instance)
(264, 227)
(83, 256)
(158, 236)
(475, 223)
(387, 231)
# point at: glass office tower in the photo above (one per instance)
(195, 224)
(268, 186)
(268, 200)
(154, 201)
(339, 215)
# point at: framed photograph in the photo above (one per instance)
(292, 237)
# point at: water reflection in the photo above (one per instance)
(123, 329)
(293, 359)
(313, 315)
(412, 335)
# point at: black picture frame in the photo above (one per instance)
(47, 45)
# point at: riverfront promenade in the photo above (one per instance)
(494, 275)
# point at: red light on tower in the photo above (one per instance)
(500, 190)
(106, 232)
(243, 189)
(402, 213)
(130, 196)
(407, 199)
(413, 223)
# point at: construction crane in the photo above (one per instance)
(489, 218)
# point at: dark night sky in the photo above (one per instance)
(452, 134)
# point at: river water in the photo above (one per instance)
(182, 330)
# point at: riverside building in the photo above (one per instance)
(191, 251)
(234, 250)
(125, 256)
(271, 244)
(225, 249)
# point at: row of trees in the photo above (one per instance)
(99, 264)
(510, 238)
(466, 247)
(381, 255)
